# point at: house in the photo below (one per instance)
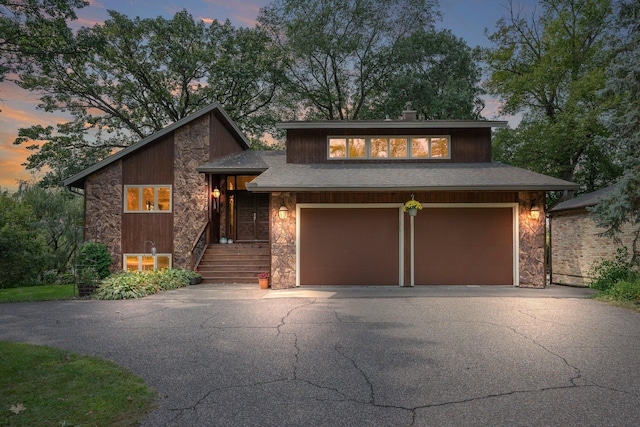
(326, 211)
(576, 244)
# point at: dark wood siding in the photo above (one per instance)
(467, 145)
(221, 143)
(152, 165)
(421, 196)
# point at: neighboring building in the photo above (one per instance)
(329, 210)
(576, 243)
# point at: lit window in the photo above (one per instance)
(146, 262)
(149, 198)
(389, 147)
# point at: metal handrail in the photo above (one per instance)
(195, 258)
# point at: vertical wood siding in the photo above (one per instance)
(467, 145)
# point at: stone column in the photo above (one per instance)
(190, 190)
(283, 241)
(103, 210)
(532, 240)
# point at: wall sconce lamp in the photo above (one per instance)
(153, 247)
(216, 198)
(535, 212)
(283, 211)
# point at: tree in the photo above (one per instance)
(33, 28)
(338, 55)
(130, 78)
(21, 245)
(550, 68)
(438, 73)
(622, 205)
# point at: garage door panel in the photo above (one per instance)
(464, 246)
(355, 246)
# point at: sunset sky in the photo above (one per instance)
(465, 18)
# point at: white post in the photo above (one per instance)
(412, 255)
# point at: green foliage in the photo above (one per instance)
(608, 273)
(93, 257)
(128, 78)
(43, 386)
(550, 66)
(137, 284)
(352, 59)
(622, 205)
(21, 245)
(624, 290)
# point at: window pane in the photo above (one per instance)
(439, 147)
(133, 199)
(357, 147)
(379, 148)
(164, 199)
(337, 148)
(132, 263)
(419, 148)
(148, 197)
(163, 262)
(147, 263)
(398, 147)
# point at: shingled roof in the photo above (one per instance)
(584, 201)
(278, 175)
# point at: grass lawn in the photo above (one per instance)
(38, 293)
(43, 386)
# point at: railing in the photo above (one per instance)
(199, 245)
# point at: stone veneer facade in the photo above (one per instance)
(532, 241)
(576, 246)
(190, 190)
(103, 216)
(283, 241)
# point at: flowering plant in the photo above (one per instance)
(263, 275)
(412, 204)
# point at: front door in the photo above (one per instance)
(252, 212)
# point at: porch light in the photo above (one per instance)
(535, 212)
(283, 211)
(216, 197)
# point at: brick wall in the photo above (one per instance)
(576, 246)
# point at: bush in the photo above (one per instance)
(95, 256)
(609, 272)
(624, 291)
(137, 284)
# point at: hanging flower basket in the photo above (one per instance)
(412, 207)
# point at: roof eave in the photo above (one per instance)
(265, 189)
(392, 124)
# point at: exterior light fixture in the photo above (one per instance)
(535, 212)
(283, 211)
(216, 198)
(153, 247)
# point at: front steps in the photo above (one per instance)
(234, 263)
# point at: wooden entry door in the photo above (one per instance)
(252, 212)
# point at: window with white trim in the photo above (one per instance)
(147, 198)
(389, 147)
(146, 262)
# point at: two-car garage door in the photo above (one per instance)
(362, 246)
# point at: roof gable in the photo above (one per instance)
(78, 179)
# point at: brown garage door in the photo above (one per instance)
(464, 246)
(349, 246)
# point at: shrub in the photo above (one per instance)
(624, 291)
(96, 256)
(137, 284)
(609, 272)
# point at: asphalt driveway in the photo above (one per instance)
(360, 356)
